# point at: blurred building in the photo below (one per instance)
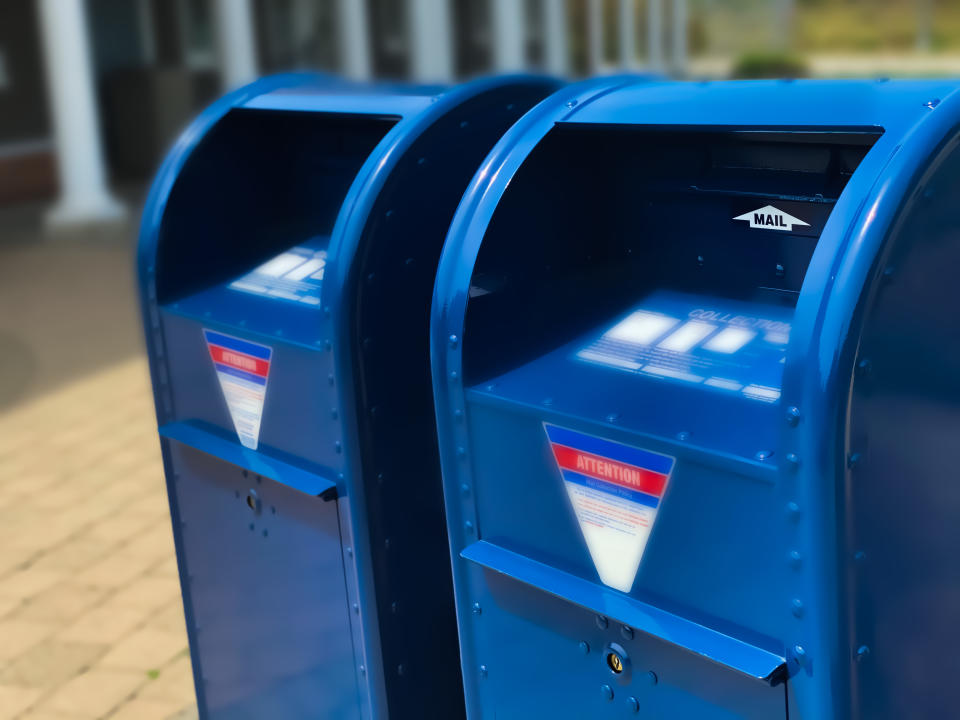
(93, 91)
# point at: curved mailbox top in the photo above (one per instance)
(409, 110)
(675, 267)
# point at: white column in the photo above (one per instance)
(680, 37)
(236, 42)
(354, 39)
(655, 34)
(431, 40)
(594, 35)
(783, 18)
(628, 29)
(555, 36)
(84, 196)
(509, 35)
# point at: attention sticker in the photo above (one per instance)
(242, 369)
(615, 491)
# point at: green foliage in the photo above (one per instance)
(769, 64)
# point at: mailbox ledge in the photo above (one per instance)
(254, 461)
(723, 649)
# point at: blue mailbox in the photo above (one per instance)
(287, 258)
(694, 352)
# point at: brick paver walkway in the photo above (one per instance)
(91, 622)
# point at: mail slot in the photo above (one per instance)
(287, 255)
(694, 369)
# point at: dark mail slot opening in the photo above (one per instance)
(258, 184)
(604, 220)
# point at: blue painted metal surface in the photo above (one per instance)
(312, 555)
(771, 534)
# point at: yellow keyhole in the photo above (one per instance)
(615, 662)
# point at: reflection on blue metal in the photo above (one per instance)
(717, 344)
(287, 254)
(295, 275)
(745, 277)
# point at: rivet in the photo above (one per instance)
(388, 213)
(796, 559)
(606, 692)
(548, 401)
(421, 161)
(683, 436)
(371, 277)
(330, 379)
(458, 414)
(793, 416)
(797, 607)
(799, 653)
(652, 678)
(763, 455)
(602, 622)
(394, 607)
(780, 271)
(386, 543)
(793, 459)
(356, 609)
(477, 609)
(461, 452)
(854, 460)
(468, 526)
(572, 103)
(453, 341)
(333, 413)
(864, 367)
(793, 510)
(349, 552)
(626, 632)
(862, 653)
(859, 556)
(363, 669)
(932, 103)
(337, 446)
(483, 671)
(633, 705)
(700, 260)
(490, 386)
(584, 647)
(613, 417)
(401, 670)
(454, 375)
(463, 124)
(465, 489)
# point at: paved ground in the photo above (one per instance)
(91, 622)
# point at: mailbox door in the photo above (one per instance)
(267, 593)
(549, 658)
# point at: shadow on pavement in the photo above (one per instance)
(68, 304)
